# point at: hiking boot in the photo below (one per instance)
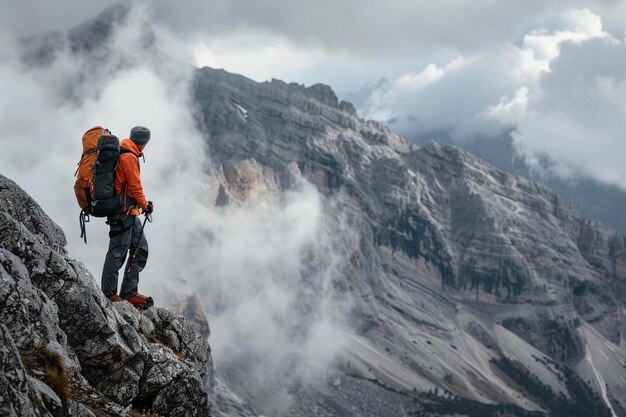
(140, 301)
(115, 298)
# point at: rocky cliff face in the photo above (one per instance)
(460, 269)
(65, 350)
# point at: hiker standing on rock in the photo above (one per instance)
(126, 230)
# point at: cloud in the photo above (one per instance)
(576, 119)
(348, 26)
(509, 111)
(561, 89)
(449, 97)
(540, 47)
(429, 75)
(343, 44)
(256, 56)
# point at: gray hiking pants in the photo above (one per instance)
(124, 238)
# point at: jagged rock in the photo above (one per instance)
(79, 351)
(24, 306)
(14, 383)
(94, 32)
(163, 327)
(19, 205)
(193, 308)
(247, 180)
(178, 360)
(223, 199)
(323, 93)
(348, 108)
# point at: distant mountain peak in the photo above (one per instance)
(94, 32)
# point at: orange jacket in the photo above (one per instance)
(127, 174)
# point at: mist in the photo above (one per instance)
(251, 262)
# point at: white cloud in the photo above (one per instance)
(431, 74)
(260, 57)
(540, 47)
(509, 111)
(577, 117)
(562, 88)
(447, 97)
(514, 86)
(582, 24)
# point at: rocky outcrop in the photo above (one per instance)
(67, 350)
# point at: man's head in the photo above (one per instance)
(140, 135)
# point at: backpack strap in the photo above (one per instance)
(84, 154)
(83, 218)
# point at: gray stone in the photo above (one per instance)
(102, 356)
(14, 382)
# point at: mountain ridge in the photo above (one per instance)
(494, 242)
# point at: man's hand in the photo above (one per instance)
(150, 208)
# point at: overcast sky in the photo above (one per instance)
(342, 43)
(552, 71)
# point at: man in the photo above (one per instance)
(126, 234)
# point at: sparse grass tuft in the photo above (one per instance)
(158, 339)
(35, 399)
(41, 358)
(155, 338)
(58, 380)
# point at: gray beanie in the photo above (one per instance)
(140, 135)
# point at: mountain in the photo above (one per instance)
(463, 290)
(41, 49)
(592, 198)
(464, 279)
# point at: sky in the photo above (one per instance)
(319, 41)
